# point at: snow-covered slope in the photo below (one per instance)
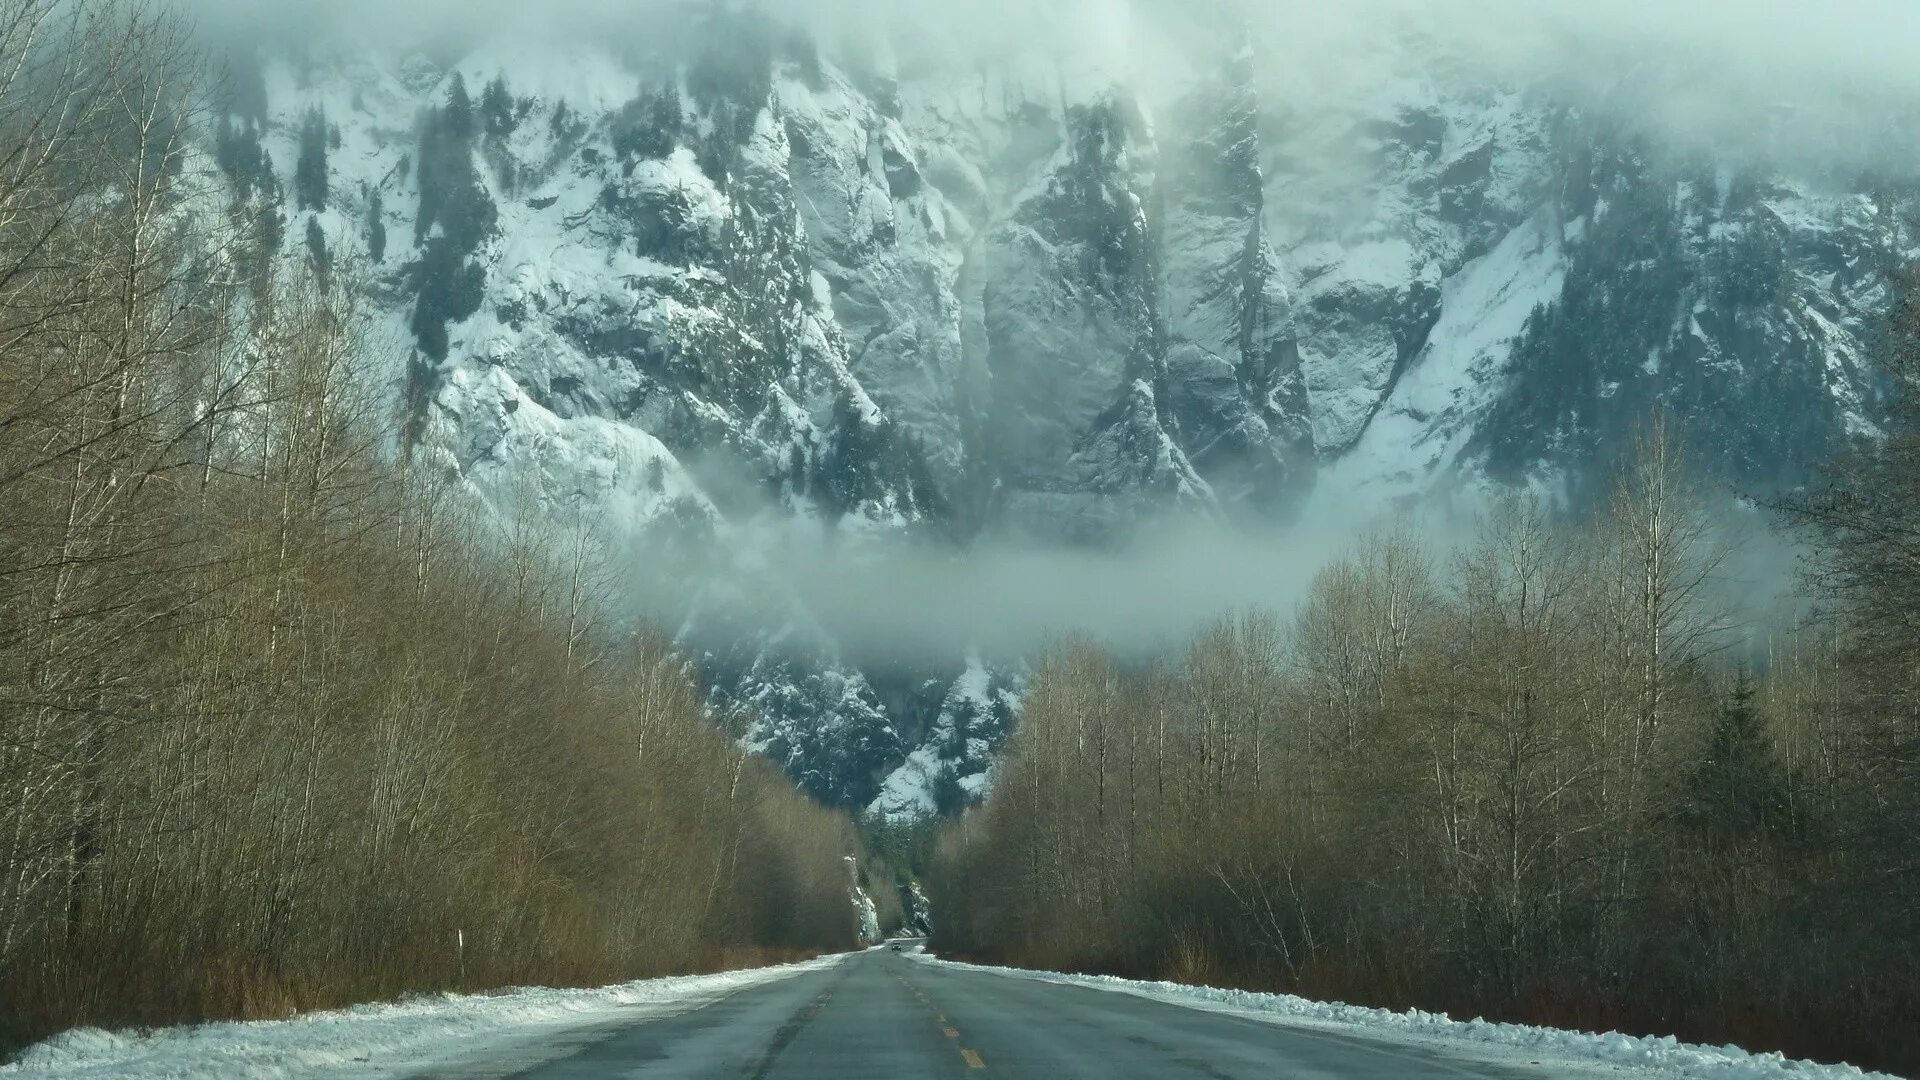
(719, 292)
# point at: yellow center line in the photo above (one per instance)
(951, 1033)
(972, 1059)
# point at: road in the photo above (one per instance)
(884, 1014)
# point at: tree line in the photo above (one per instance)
(1543, 777)
(285, 720)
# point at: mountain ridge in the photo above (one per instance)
(741, 294)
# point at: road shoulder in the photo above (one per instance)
(389, 1040)
(1570, 1053)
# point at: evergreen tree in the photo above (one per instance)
(238, 152)
(1866, 518)
(310, 170)
(496, 109)
(650, 125)
(246, 87)
(849, 475)
(731, 81)
(1738, 789)
(949, 795)
(457, 118)
(448, 287)
(797, 469)
(376, 228)
(450, 192)
(317, 252)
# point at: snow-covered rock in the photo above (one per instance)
(716, 289)
(951, 767)
(864, 912)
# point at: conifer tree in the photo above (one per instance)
(310, 170)
(496, 108)
(1737, 790)
(376, 229)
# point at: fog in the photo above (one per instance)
(927, 603)
(1832, 83)
(885, 599)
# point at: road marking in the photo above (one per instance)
(972, 1058)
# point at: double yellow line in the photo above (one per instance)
(971, 1057)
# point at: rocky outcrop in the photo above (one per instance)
(730, 292)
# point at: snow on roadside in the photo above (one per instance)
(371, 1041)
(1655, 1058)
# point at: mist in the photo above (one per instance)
(1832, 86)
(887, 600)
(1823, 86)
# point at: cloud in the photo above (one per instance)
(1009, 598)
(1831, 83)
(887, 601)
(1787, 80)
(1825, 83)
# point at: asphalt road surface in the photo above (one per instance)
(883, 1014)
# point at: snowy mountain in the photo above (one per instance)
(722, 292)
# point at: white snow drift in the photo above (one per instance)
(1644, 1056)
(372, 1041)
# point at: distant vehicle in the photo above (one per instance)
(896, 946)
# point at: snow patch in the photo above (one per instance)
(1426, 421)
(369, 1041)
(1650, 1056)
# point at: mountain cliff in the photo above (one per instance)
(721, 291)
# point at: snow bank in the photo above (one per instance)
(369, 1041)
(1651, 1057)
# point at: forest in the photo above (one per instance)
(286, 720)
(1549, 775)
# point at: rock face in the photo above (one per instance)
(730, 293)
